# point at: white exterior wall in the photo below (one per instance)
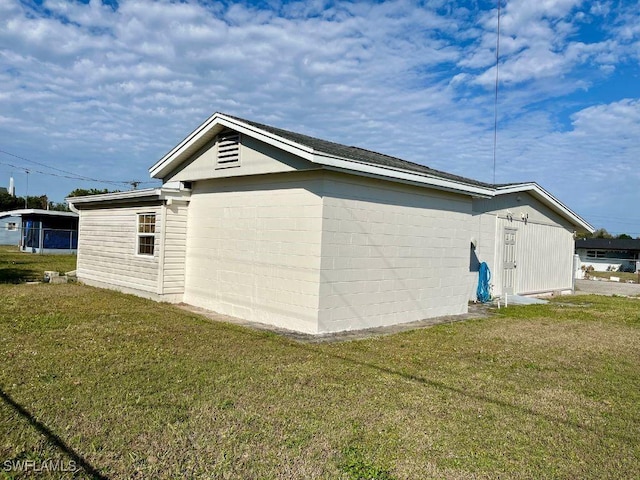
(174, 248)
(107, 249)
(10, 237)
(544, 256)
(253, 249)
(391, 254)
(604, 264)
(256, 158)
(544, 243)
(483, 231)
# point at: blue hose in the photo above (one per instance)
(484, 276)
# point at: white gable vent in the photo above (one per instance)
(228, 144)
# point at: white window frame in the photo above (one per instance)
(143, 224)
(12, 226)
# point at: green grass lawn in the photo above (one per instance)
(127, 388)
(16, 266)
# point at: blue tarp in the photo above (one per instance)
(61, 239)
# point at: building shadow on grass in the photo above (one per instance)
(52, 438)
(16, 275)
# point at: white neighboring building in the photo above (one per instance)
(609, 254)
(277, 227)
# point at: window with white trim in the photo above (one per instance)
(146, 233)
(12, 226)
(595, 254)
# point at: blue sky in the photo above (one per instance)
(102, 91)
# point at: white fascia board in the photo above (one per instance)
(404, 176)
(548, 199)
(36, 211)
(177, 154)
(106, 197)
(171, 156)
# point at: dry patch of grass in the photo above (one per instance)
(137, 389)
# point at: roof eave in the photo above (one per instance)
(36, 211)
(549, 200)
(105, 197)
(404, 176)
(207, 130)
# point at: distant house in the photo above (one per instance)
(10, 227)
(42, 231)
(609, 254)
(281, 228)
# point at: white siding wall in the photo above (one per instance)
(253, 249)
(391, 254)
(544, 256)
(544, 243)
(107, 249)
(175, 247)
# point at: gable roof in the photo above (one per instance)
(547, 199)
(355, 160)
(328, 154)
(358, 154)
(609, 243)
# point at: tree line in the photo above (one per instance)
(8, 202)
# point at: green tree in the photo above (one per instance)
(624, 236)
(59, 207)
(602, 233)
(7, 202)
(83, 192)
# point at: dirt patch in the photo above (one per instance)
(607, 288)
(476, 310)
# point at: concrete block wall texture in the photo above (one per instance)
(253, 249)
(326, 252)
(391, 254)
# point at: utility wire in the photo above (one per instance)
(80, 177)
(495, 99)
(64, 173)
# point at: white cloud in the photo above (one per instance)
(111, 89)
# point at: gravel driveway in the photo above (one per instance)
(607, 288)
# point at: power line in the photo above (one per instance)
(72, 177)
(495, 99)
(65, 173)
(80, 177)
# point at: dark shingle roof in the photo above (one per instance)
(608, 243)
(360, 154)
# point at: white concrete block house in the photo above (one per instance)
(280, 228)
